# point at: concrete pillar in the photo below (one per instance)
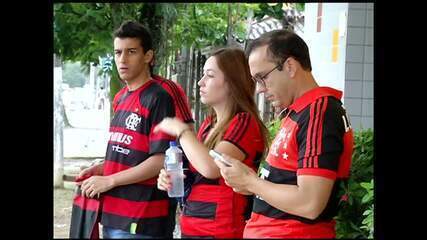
(58, 126)
(92, 85)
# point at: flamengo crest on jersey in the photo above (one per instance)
(132, 121)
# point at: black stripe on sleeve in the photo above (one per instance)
(243, 128)
(182, 106)
(313, 153)
(235, 129)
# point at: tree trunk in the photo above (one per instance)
(196, 87)
(58, 126)
(229, 25)
(115, 83)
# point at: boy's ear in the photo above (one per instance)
(148, 56)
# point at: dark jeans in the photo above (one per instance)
(114, 233)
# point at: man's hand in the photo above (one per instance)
(96, 185)
(95, 170)
(242, 192)
(238, 176)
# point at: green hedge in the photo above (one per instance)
(356, 216)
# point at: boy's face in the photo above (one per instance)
(130, 59)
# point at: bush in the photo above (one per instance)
(273, 127)
(356, 216)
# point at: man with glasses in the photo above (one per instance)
(296, 192)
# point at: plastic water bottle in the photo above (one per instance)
(173, 166)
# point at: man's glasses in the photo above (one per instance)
(261, 79)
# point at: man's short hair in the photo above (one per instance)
(281, 45)
(132, 29)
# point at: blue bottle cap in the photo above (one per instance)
(172, 144)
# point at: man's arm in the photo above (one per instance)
(145, 170)
(307, 199)
(315, 181)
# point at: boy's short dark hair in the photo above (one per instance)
(132, 29)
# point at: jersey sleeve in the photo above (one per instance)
(161, 108)
(320, 138)
(117, 98)
(182, 106)
(243, 132)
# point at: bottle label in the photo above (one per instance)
(171, 158)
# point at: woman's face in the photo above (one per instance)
(213, 88)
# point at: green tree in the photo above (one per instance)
(205, 24)
(83, 31)
(276, 11)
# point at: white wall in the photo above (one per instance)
(334, 15)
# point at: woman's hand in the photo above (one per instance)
(171, 126)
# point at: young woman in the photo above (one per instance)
(233, 127)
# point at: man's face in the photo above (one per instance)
(130, 59)
(278, 87)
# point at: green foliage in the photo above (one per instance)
(73, 74)
(363, 154)
(277, 11)
(274, 11)
(355, 219)
(368, 221)
(273, 127)
(300, 7)
(83, 31)
(205, 24)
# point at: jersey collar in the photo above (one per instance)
(313, 94)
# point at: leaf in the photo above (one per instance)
(366, 185)
(278, 7)
(300, 7)
(367, 212)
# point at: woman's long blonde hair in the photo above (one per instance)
(234, 64)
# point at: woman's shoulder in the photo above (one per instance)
(243, 117)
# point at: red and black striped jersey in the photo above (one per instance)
(182, 108)
(138, 207)
(212, 208)
(315, 138)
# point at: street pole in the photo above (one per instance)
(58, 126)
